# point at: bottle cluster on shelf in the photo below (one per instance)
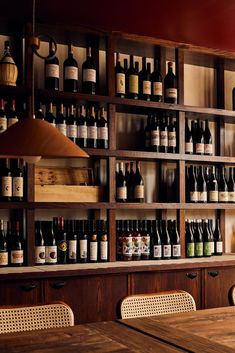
(8, 115)
(161, 133)
(70, 241)
(210, 184)
(70, 72)
(145, 84)
(198, 138)
(147, 239)
(87, 127)
(201, 239)
(12, 176)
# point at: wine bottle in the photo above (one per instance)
(155, 134)
(190, 244)
(194, 133)
(127, 242)
(198, 239)
(212, 243)
(3, 118)
(163, 135)
(71, 125)
(131, 184)
(213, 187)
(156, 241)
(102, 133)
(103, 241)
(166, 241)
(93, 242)
(156, 79)
(121, 186)
(61, 240)
(50, 117)
(3, 246)
(83, 241)
(144, 82)
(172, 140)
(120, 78)
(136, 240)
(206, 239)
(12, 116)
(132, 80)
(119, 233)
(52, 70)
(127, 172)
(218, 239)
(17, 251)
(175, 240)
(72, 242)
(138, 185)
(39, 113)
(17, 180)
(222, 186)
(89, 74)
(6, 180)
(208, 143)
(39, 244)
(170, 86)
(147, 132)
(231, 186)
(145, 228)
(193, 186)
(61, 120)
(199, 139)
(202, 187)
(50, 245)
(82, 128)
(92, 132)
(188, 138)
(70, 72)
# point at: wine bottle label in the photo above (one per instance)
(206, 248)
(83, 248)
(223, 196)
(62, 128)
(133, 84)
(71, 73)
(208, 148)
(176, 249)
(127, 246)
(166, 250)
(146, 87)
(199, 147)
(190, 250)
(3, 258)
(62, 245)
(164, 138)
(39, 254)
(52, 70)
(104, 250)
(194, 196)
(231, 196)
(145, 245)
(18, 186)
(122, 193)
(188, 147)
(6, 186)
(171, 93)
(72, 131)
(103, 133)
(11, 121)
(53, 124)
(202, 196)
(218, 247)
(199, 249)
(92, 132)
(3, 124)
(155, 138)
(213, 196)
(172, 139)
(89, 75)
(51, 254)
(17, 256)
(139, 192)
(120, 83)
(157, 251)
(212, 245)
(82, 131)
(157, 88)
(93, 251)
(72, 253)
(136, 245)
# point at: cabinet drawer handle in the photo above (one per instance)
(191, 275)
(213, 273)
(28, 287)
(58, 285)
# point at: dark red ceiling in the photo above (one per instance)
(208, 23)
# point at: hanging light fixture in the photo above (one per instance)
(32, 138)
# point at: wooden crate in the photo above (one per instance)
(62, 185)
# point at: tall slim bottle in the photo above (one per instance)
(89, 74)
(170, 86)
(52, 70)
(120, 78)
(132, 80)
(70, 72)
(156, 79)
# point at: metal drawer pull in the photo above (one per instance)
(28, 287)
(58, 285)
(191, 275)
(213, 273)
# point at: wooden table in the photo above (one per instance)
(101, 337)
(202, 331)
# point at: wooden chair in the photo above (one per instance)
(231, 295)
(35, 317)
(157, 304)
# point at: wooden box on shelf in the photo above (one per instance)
(54, 184)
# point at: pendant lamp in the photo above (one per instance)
(32, 139)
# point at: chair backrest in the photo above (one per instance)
(231, 295)
(157, 304)
(35, 317)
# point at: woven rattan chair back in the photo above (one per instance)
(38, 317)
(157, 304)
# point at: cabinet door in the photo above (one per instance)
(150, 282)
(20, 292)
(94, 298)
(218, 282)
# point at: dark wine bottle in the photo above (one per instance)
(206, 239)
(103, 242)
(82, 128)
(166, 241)
(71, 124)
(147, 134)
(50, 245)
(93, 242)
(6, 180)
(155, 134)
(231, 186)
(175, 240)
(12, 116)
(83, 241)
(188, 138)
(120, 78)
(92, 131)
(132, 80)
(131, 184)
(17, 251)
(198, 239)
(121, 186)
(193, 186)
(194, 133)
(102, 126)
(163, 135)
(136, 240)
(144, 82)
(70, 72)
(144, 229)
(208, 143)
(190, 244)
(3, 118)
(156, 79)
(52, 70)
(3, 246)
(61, 120)
(39, 244)
(172, 138)
(17, 180)
(199, 139)
(127, 242)
(50, 118)
(170, 86)
(213, 187)
(72, 242)
(222, 186)
(156, 242)
(61, 240)
(218, 239)
(138, 185)
(119, 233)
(202, 187)
(89, 74)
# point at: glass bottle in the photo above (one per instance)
(50, 244)
(70, 72)
(156, 79)
(138, 184)
(170, 86)
(3, 246)
(89, 74)
(52, 69)
(82, 134)
(218, 239)
(39, 244)
(132, 80)
(120, 78)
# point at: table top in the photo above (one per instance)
(207, 331)
(100, 337)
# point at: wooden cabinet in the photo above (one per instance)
(21, 292)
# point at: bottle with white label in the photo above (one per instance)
(102, 126)
(52, 70)
(136, 240)
(193, 186)
(202, 187)
(70, 72)
(3, 246)
(16, 250)
(188, 138)
(163, 135)
(175, 239)
(17, 180)
(103, 241)
(12, 116)
(145, 81)
(40, 249)
(145, 230)
(3, 118)
(83, 241)
(166, 241)
(92, 130)
(82, 128)
(231, 186)
(208, 143)
(89, 74)
(72, 242)
(170, 86)
(132, 80)
(121, 185)
(155, 134)
(50, 244)
(127, 242)
(61, 120)
(156, 241)
(120, 78)
(199, 138)
(206, 239)
(222, 186)
(213, 195)
(156, 79)
(93, 242)
(218, 239)
(139, 192)
(6, 180)
(172, 138)
(71, 124)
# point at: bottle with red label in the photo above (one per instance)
(17, 250)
